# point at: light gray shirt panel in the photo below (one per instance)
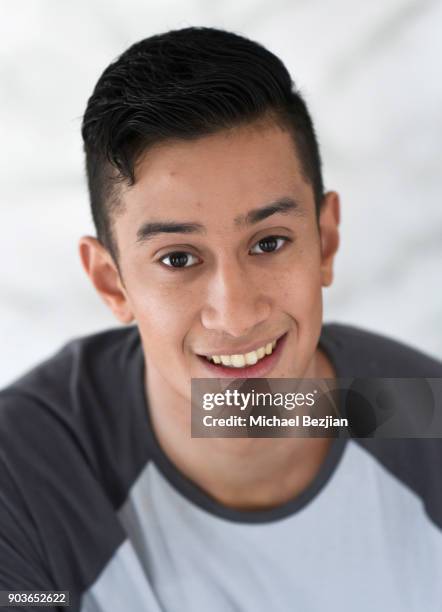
(121, 586)
(391, 553)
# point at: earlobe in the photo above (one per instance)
(105, 277)
(329, 235)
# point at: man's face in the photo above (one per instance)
(234, 278)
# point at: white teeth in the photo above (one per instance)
(251, 358)
(239, 361)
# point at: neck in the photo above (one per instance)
(240, 473)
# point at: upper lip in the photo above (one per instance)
(247, 348)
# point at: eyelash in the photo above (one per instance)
(285, 240)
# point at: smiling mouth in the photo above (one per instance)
(242, 360)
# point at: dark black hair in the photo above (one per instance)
(184, 84)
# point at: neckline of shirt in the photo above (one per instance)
(197, 496)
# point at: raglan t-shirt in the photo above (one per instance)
(90, 503)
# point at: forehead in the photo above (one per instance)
(213, 179)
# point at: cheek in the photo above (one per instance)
(164, 314)
(298, 288)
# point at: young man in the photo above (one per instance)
(215, 237)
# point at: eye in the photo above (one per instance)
(269, 244)
(179, 259)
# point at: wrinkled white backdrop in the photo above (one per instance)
(371, 73)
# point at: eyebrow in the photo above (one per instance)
(285, 205)
(148, 230)
(282, 205)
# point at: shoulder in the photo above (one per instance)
(360, 352)
(416, 462)
(84, 404)
(86, 356)
(83, 371)
(71, 445)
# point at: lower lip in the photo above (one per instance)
(260, 370)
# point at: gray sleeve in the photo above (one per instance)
(21, 564)
(57, 526)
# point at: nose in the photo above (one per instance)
(236, 302)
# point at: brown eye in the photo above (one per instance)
(269, 244)
(179, 259)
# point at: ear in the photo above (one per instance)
(329, 219)
(105, 277)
